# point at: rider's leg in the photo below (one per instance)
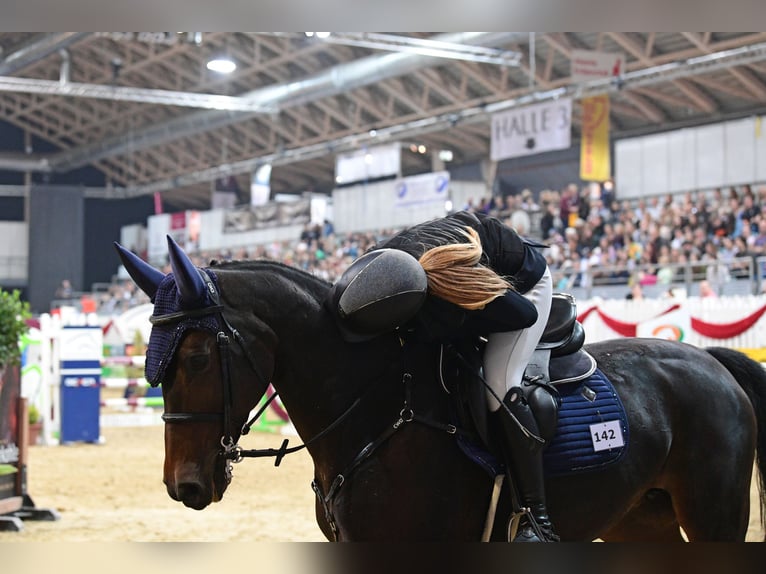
(523, 455)
(505, 359)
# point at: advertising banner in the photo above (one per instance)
(419, 189)
(260, 186)
(368, 163)
(588, 65)
(531, 130)
(672, 326)
(273, 214)
(81, 352)
(595, 161)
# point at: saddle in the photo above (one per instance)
(558, 359)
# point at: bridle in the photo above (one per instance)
(231, 452)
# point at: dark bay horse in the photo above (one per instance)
(384, 468)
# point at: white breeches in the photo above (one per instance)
(507, 354)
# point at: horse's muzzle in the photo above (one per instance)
(192, 494)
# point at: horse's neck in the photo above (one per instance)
(309, 355)
(318, 375)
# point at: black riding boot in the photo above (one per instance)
(524, 461)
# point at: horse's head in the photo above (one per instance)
(199, 359)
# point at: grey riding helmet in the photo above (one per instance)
(379, 292)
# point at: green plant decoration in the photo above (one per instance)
(13, 315)
(33, 414)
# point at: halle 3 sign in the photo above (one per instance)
(531, 130)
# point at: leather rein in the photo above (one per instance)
(232, 453)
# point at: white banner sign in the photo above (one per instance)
(588, 65)
(531, 130)
(81, 344)
(419, 189)
(158, 227)
(260, 185)
(368, 163)
(673, 326)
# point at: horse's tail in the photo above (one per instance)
(752, 378)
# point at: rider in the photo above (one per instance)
(482, 278)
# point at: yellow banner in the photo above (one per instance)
(595, 164)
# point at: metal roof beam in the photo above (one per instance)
(639, 78)
(425, 47)
(40, 47)
(129, 94)
(341, 78)
(745, 77)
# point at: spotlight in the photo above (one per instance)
(222, 65)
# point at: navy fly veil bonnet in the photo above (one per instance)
(185, 299)
(164, 338)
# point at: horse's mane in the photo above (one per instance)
(267, 265)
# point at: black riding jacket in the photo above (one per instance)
(505, 252)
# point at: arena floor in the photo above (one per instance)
(113, 492)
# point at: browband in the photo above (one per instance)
(181, 315)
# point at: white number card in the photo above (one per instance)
(606, 436)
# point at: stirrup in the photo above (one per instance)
(524, 527)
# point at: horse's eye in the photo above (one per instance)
(197, 362)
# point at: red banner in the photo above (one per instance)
(727, 330)
(711, 330)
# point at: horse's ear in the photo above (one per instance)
(144, 275)
(190, 284)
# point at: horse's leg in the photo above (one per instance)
(715, 506)
(712, 503)
(711, 428)
(651, 520)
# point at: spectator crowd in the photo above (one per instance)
(590, 234)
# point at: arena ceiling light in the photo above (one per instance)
(222, 65)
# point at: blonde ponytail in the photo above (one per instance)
(455, 274)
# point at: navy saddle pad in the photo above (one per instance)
(592, 423)
(592, 431)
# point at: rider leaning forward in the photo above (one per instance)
(481, 277)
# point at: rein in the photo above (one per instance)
(279, 453)
(232, 453)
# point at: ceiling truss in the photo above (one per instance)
(149, 116)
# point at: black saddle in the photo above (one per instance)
(563, 334)
(559, 358)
